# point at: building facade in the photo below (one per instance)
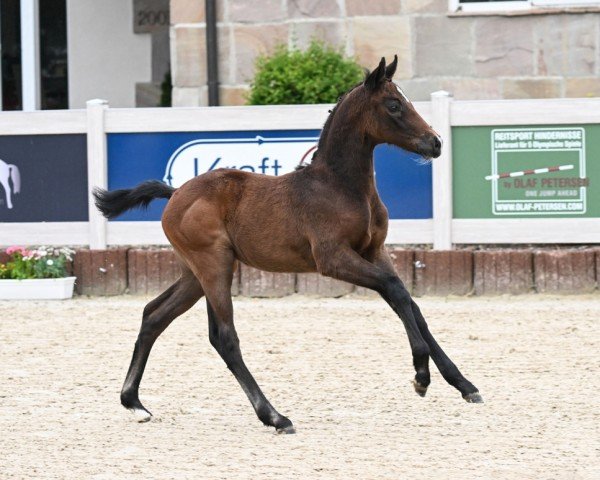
(476, 50)
(60, 53)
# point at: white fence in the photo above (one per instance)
(442, 112)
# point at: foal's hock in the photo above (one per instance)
(329, 219)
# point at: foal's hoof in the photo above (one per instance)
(420, 389)
(141, 415)
(474, 397)
(286, 430)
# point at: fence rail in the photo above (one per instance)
(442, 231)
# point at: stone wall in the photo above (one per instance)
(474, 56)
(152, 17)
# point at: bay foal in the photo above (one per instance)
(326, 218)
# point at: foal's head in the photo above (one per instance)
(388, 116)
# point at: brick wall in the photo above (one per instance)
(474, 57)
(149, 271)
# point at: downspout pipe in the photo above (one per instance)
(212, 53)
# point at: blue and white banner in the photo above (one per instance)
(403, 183)
(267, 155)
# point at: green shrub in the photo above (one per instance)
(320, 74)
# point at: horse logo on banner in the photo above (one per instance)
(10, 174)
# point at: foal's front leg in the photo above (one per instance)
(345, 264)
(447, 368)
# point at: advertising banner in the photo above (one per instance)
(517, 172)
(404, 183)
(43, 178)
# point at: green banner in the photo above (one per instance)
(526, 171)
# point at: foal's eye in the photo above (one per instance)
(393, 106)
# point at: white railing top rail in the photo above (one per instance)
(554, 111)
(211, 119)
(43, 122)
(285, 117)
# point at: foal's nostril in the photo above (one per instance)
(430, 145)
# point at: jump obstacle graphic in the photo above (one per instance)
(530, 172)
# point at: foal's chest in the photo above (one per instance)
(372, 230)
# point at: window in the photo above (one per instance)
(51, 54)
(505, 5)
(10, 17)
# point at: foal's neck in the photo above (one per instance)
(347, 153)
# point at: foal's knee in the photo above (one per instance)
(394, 288)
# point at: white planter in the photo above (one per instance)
(37, 289)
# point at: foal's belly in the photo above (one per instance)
(275, 245)
(272, 249)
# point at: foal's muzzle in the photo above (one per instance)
(430, 146)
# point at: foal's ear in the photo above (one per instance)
(376, 76)
(391, 68)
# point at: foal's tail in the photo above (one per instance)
(112, 204)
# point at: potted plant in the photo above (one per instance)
(39, 273)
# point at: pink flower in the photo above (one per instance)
(16, 249)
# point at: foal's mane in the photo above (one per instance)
(327, 127)
(332, 112)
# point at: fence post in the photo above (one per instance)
(442, 173)
(30, 57)
(97, 168)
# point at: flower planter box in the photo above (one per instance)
(37, 289)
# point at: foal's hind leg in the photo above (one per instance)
(158, 314)
(224, 339)
(215, 271)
